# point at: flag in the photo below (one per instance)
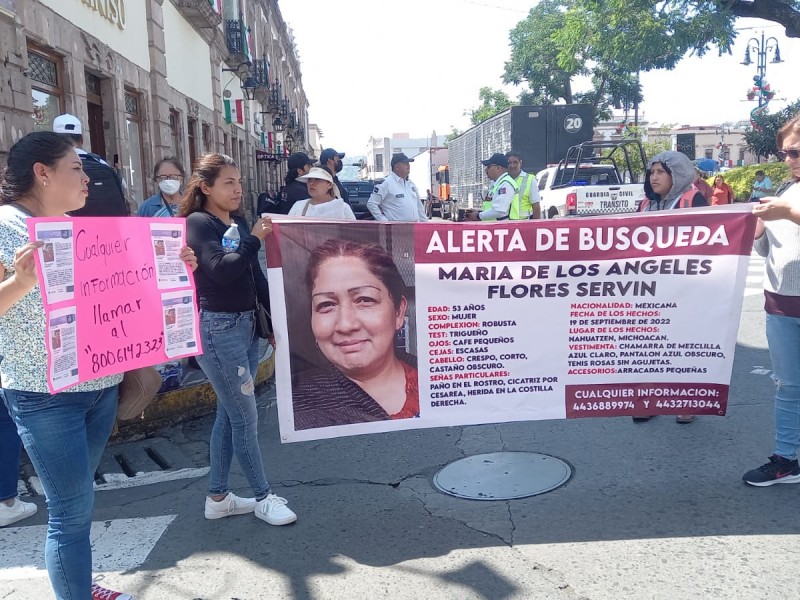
(234, 111)
(216, 5)
(248, 39)
(269, 140)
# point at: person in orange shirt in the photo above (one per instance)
(721, 192)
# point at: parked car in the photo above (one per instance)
(360, 192)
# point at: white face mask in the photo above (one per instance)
(169, 187)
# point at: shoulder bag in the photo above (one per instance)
(137, 391)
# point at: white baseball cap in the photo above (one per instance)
(67, 124)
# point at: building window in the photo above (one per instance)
(94, 107)
(174, 130)
(45, 74)
(741, 153)
(135, 167)
(379, 162)
(225, 148)
(191, 135)
(206, 137)
(709, 152)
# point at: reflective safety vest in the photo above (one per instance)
(685, 201)
(513, 209)
(525, 208)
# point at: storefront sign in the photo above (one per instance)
(112, 11)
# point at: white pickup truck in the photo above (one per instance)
(595, 178)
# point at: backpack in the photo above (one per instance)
(106, 198)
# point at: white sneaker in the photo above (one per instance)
(16, 512)
(101, 593)
(274, 511)
(229, 505)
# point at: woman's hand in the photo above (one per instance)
(772, 208)
(25, 264)
(262, 228)
(187, 255)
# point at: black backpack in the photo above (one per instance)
(106, 198)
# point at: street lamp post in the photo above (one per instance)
(762, 47)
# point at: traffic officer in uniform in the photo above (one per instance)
(503, 198)
(396, 198)
(527, 186)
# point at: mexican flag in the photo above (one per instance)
(234, 111)
(216, 5)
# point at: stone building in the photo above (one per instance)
(155, 78)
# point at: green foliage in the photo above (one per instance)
(454, 133)
(761, 141)
(612, 40)
(741, 178)
(492, 102)
(651, 147)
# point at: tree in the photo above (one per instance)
(761, 138)
(492, 102)
(613, 40)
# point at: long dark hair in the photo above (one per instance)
(44, 147)
(206, 170)
(375, 258)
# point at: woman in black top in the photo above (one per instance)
(228, 281)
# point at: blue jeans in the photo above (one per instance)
(10, 447)
(783, 335)
(230, 361)
(64, 435)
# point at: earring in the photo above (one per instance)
(44, 182)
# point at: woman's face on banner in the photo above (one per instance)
(353, 317)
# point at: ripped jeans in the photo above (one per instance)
(783, 335)
(230, 361)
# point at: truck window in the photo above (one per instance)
(543, 182)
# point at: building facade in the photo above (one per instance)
(156, 78)
(380, 149)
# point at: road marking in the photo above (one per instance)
(119, 481)
(118, 545)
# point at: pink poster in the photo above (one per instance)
(116, 294)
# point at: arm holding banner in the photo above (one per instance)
(222, 267)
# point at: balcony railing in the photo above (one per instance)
(235, 37)
(261, 72)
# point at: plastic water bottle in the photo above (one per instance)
(231, 239)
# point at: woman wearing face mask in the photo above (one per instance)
(169, 175)
(668, 185)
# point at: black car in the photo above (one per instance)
(360, 191)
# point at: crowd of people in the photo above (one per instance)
(64, 434)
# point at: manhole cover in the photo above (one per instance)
(502, 476)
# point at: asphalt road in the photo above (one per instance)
(653, 510)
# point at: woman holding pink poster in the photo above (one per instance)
(64, 433)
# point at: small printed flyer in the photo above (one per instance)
(116, 293)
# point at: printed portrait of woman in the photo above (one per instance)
(358, 305)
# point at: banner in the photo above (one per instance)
(383, 327)
(116, 295)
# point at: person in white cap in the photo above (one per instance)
(396, 198)
(325, 202)
(108, 190)
(70, 125)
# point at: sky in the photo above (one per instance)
(372, 68)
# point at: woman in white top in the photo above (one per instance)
(324, 202)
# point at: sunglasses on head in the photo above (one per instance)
(793, 153)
